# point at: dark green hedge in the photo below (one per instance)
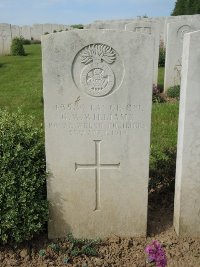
(23, 204)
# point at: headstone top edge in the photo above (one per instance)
(193, 33)
(71, 32)
(5, 24)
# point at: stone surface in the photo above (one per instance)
(37, 31)
(174, 46)
(62, 27)
(47, 28)
(187, 190)
(5, 38)
(140, 27)
(55, 27)
(183, 18)
(113, 25)
(26, 32)
(97, 125)
(120, 24)
(160, 21)
(15, 31)
(148, 28)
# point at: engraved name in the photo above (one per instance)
(92, 120)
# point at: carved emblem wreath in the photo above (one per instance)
(97, 78)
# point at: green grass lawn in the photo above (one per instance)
(164, 125)
(21, 86)
(21, 82)
(161, 71)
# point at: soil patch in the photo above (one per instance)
(114, 251)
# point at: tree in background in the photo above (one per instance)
(179, 8)
(186, 7)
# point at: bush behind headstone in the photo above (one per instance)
(23, 204)
(17, 48)
(77, 26)
(161, 62)
(162, 167)
(174, 92)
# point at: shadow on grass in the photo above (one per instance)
(160, 87)
(160, 211)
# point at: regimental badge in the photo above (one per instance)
(97, 77)
(97, 70)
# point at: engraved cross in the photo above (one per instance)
(97, 166)
(177, 68)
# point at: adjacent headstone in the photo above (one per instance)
(37, 31)
(47, 28)
(67, 28)
(26, 32)
(113, 25)
(62, 27)
(187, 190)
(183, 18)
(148, 28)
(173, 62)
(97, 120)
(5, 38)
(120, 24)
(55, 28)
(15, 31)
(159, 22)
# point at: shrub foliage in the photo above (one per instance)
(77, 26)
(157, 96)
(174, 91)
(17, 48)
(26, 41)
(23, 204)
(162, 167)
(35, 42)
(86, 247)
(161, 62)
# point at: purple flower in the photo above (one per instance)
(156, 254)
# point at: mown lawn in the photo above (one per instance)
(164, 121)
(164, 125)
(21, 82)
(21, 86)
(161, 76)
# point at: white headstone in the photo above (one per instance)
(61, 27)
(55, 28)
(114, 25)
(183, 18)
(37, 31)
(15, 30)
(47, 28)
(173, 62)
(159, 21)
(187, 190)
(68, 27)
(120, 24)
(26, 32)
(97, 120)
(148, 28)
(5, 38)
